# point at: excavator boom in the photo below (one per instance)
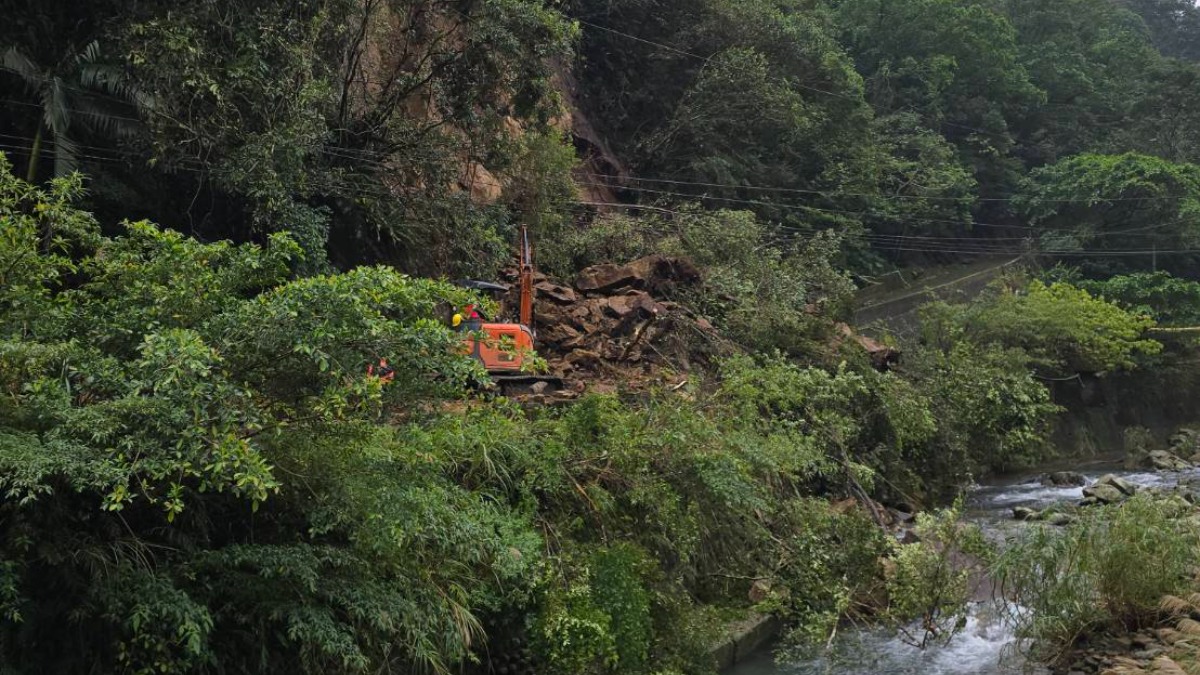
(526, 280)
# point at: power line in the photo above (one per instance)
(806, 208)
(840, 193)
(881, 241)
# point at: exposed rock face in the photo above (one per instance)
(1064, 479)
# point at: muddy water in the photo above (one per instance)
(987, 645)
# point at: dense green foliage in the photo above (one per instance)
(199, 474)
(418, 132)
(1110, 204)
(197, 466)
(1058, 327)
(1167, 299)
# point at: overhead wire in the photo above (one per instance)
(898, 242)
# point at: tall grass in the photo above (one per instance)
(1110, 569)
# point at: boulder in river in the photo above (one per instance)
(1026, 513)
(1162, 460)
(1060, 519)
(1128, 488)
(1103, 493)
(1064, 479)
(1185, 442)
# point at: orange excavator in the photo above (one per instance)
(506, 349)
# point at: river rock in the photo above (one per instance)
(1026, 513)
(1166, 461)
(1060, 519)
(1064, 479)
(1103, 493)
(1120, 483)
(1185, 442)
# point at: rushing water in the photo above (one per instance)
(986, 646)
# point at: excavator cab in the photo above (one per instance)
(505, 348)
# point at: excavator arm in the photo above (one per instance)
(526, 280)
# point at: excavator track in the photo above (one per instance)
(524, 385)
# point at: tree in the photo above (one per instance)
(740, 95)
(80, 91)
(1091, 58)
(1060, 329)
(1174, 25)
(1109, 203)
(957, 64)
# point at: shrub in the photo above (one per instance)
(1062, 329)
(930, 578)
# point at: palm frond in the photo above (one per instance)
(56, 106)
(90, 53)
(16, 62)
(108, 79)
(66, 155)
(105, 115)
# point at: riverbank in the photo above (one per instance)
(988, 644)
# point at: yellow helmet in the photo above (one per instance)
(456, 320)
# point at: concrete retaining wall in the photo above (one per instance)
(744, 638)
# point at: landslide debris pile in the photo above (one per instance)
(623, 324)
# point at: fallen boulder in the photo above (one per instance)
(560, 294)
(883, 357)
(1064, 479)
(1185, 442)
(658, 274)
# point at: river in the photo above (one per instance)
(987, 645)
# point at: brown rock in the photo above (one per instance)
(618, 306)
(583, 358)
(759, 590)
(655, 273)
(882, 356)
(559, 294)
(1166, 461)
(560, 334)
